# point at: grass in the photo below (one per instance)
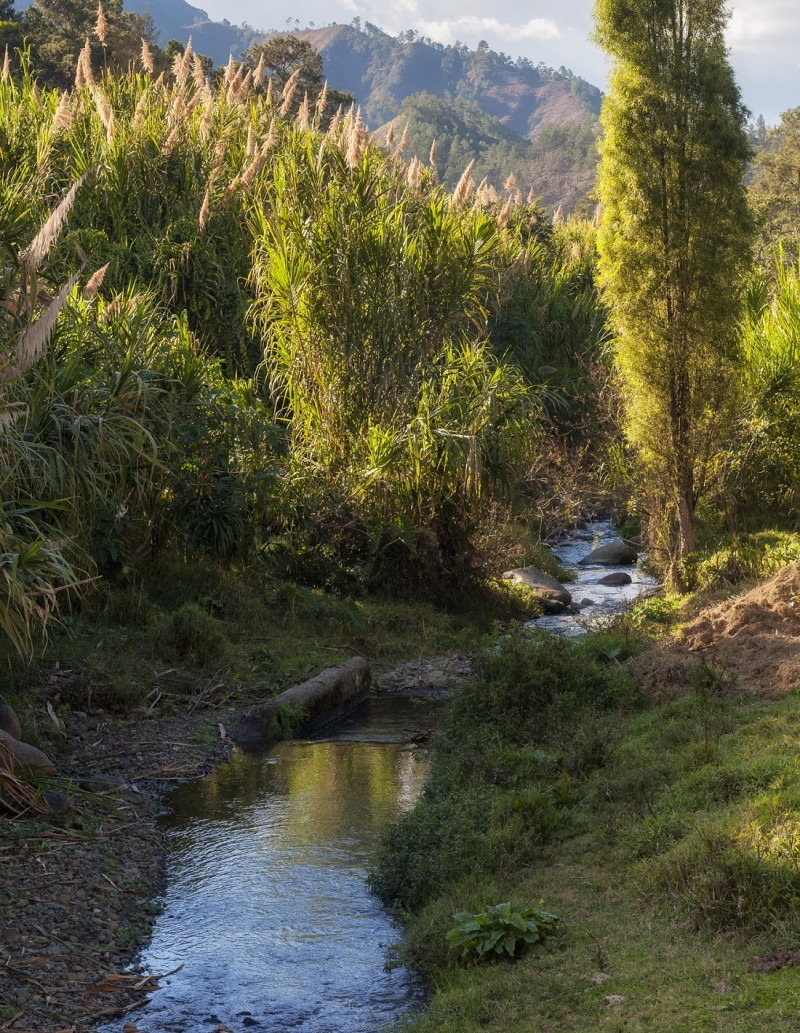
(234, 636)
(679, 870)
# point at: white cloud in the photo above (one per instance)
(473, 27)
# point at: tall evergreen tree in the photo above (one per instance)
(675, 239)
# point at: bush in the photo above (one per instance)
(193, 635)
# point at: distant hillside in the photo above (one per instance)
(175, 19)
(510, 116)
(382, 70)
(559, 165)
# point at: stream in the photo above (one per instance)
(267, 914)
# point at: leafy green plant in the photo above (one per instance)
(502, 930)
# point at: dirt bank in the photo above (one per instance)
(753, 639)
(76, 900)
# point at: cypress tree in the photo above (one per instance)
(674, 241)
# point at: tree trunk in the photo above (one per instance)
(687, 541)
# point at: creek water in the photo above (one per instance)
(267, 907)
(597, 602)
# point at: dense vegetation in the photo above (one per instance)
(262, 369)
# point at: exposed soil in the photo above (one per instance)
(76, 899)
(754, 640)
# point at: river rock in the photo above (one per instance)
(551, 593)
(56, 801)
(26, 757)
(617, 579)
(588, 602)
(615, 554)
(9, 722)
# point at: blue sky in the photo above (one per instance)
(764, 35)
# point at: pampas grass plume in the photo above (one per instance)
(51, 229)
(147, 58)
(101, 25)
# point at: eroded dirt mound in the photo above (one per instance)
(754, 639)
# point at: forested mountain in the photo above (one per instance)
(508, 116)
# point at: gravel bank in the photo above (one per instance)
(79, 891)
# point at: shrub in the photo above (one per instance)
(502, 929)
(192, 634)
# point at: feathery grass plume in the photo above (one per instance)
(202, 220)
(251, 141)
(6, 66)
(101, 25)
(269, 99)
(254, 168)
(230, 71)
(357, 141)
(403, 140)
(231, 94)
(510, 182)
(558, 216)
(390, 135)
(432, 157)
(336, 121)
(176, 67)
(503, 217)
(37, 96)
(186, 60)
(531, 196)
(48, 234)
(95, 282)
(243, 89)
(62, 119)
(271, 139)
(463, 187)
(597, 217)
(304, 113)
(176, 107)
(147, 58)
(33, 342)
(206, 120)
(80, 78)
(105, 111)
(322, 99)
(198, 72)
(414, 176)
(141, 107)
(258, 75)
(86, 57)
(192, 105)
(288, 91)
(169, 143)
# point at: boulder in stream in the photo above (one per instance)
(27, 758)
(9, 722)
(616, 580)
(615, 554)
(551, 593)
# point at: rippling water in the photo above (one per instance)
(598, 602)
(267, 906)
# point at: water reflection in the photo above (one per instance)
(267, 906)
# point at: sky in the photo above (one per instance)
(764, 35)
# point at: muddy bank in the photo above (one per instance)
(76, 900)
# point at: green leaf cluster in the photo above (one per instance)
(501, 929)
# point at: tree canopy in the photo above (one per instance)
(58, 29)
